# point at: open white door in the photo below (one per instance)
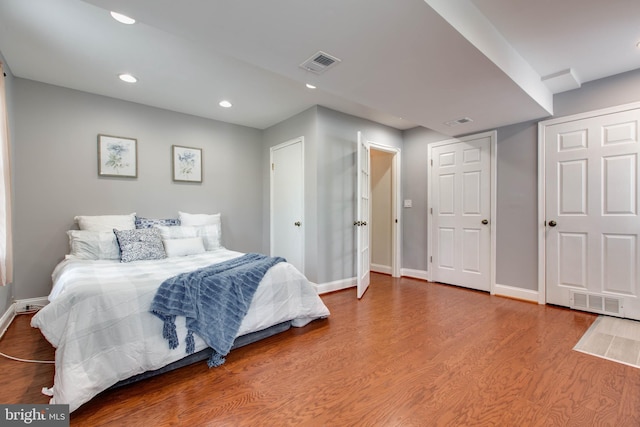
(361, 223)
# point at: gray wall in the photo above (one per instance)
(337, 137)
(55, 167)
(517, 206)
(303, 124)
(6, 292)
(414, 188)
(55, 177)
(330, 156)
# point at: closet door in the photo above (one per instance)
(592, 225)
(461, 203)
(287, 202)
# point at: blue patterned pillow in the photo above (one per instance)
(136, 245)
(150, 222)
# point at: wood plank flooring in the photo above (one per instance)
(410, 353)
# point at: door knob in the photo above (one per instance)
(485, 221)
(552, 223)
(297, 223)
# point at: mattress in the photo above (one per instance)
(99, 323)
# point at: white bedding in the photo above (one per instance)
(99, 323)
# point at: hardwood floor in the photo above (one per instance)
(410, 353)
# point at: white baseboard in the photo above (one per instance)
(518, 293)
(378, 268)
(416, 274)
(337, 285)
(30, 304)
(7, 318)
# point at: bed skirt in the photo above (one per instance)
(202, 355)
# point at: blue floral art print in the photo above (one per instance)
(117, 156)
(187, 164)
(115, 160)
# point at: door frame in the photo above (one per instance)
(542, 240)
(492, 203)
(396, 206)
(299, 139)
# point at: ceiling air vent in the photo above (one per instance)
(320, 62)
(458, 121)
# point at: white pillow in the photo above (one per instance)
(183, 247)
(176, 232)
(93, 245)
(106, 222)
(210, 236)
(198, 219)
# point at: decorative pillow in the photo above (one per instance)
(183, 247)
(176, 232)
(136, 245)
(106, 222)
(198, 219)
(150, 222)
(93, 245)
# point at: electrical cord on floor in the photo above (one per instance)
(17, 359)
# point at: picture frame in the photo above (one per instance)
(186, 163)
(117, 156)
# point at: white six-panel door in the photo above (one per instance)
(592, 224)
(287, 202)
(461, 203)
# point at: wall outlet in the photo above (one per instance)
(408, 203)
(31, 304)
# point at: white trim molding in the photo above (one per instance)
(337, 285)
(379, 268)
(415, 274)
(7, 318)
(517, 293)
(396, 207)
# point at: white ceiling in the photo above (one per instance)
(404, 62)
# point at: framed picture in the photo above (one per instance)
(187, 164)
(117, 156)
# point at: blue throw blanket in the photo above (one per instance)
(214, 300)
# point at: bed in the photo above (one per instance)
(98, 318)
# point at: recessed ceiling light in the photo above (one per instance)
(310, 86)
(123, 18)
(225, 104)
(127, 78)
